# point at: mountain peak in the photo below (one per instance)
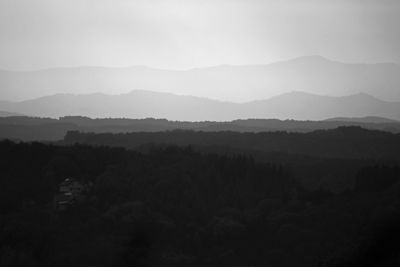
(362, 95)
(311, 58)
(296, 94)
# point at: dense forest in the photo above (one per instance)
(170, 205)
(343, 142)
(327, 159)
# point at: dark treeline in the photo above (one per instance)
(342, 142)
(173, 206)
(47, 129)
(326, 158)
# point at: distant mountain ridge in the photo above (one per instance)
(368, 119)
(8, 114)
(311, 74)
(145, 104)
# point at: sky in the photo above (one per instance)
(184, 34)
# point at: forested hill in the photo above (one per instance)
(47, 129)
(174, 206)
(342, 142)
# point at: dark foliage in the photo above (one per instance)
(175, 206)
(343, 142)
(376, 178)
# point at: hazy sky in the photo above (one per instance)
(187, 33)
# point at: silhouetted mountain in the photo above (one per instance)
(143, 104)
(304, 106)
(312, 74)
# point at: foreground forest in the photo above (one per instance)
(182, 202)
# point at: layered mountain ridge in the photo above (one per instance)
(236, 83)
(144, 104)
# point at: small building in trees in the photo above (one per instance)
(70, 192)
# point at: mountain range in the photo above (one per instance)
(311, 74)
(144, 104)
